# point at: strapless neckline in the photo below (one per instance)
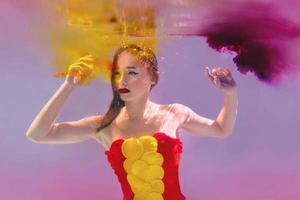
(122, 139)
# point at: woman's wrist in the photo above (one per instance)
(69, 86)
(232, 93)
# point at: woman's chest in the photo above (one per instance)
(133, 129)
(125, 129)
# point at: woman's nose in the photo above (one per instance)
(122, 80)
(123, 83)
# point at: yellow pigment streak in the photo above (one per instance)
(98, 28)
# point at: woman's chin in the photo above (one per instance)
(125, 96)
(130, 97)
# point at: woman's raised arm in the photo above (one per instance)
(43, 129)
(223, 125)
(43, 122)
(71, 132)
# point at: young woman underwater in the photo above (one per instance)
(140, 137)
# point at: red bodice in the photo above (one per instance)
(169, 148)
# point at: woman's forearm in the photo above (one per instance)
(227, 116)
(45, 118)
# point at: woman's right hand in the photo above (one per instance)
(81, 72)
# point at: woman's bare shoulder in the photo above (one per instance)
(165, 106)
(176, 107)
(180, 110)
(173, 107)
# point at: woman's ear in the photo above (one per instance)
(153, 80)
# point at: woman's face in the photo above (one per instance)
(132, 77)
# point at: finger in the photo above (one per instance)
(227, 74)
(88, 58)
(222, 73)
(89, 61)
(77, 69)
(209, 73)
(217, 82)
(216, 72)
(207, 69)
(220, 69)
(84, 73)
(73, 68)
(84, 64)
(211, 78)
(225, 71)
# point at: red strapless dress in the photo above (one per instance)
(147, 167)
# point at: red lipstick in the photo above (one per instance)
(123, 90)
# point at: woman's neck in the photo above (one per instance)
(137, 110)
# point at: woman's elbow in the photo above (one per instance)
(224, 134)
(36, 138)
(31, 139)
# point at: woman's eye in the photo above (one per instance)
(116, 73)
(132, 72)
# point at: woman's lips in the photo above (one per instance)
(123, 90)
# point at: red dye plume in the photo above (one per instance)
(260, 37)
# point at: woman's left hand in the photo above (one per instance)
(222, 79)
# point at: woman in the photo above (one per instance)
(140, 137)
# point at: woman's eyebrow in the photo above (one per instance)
(130, 67)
